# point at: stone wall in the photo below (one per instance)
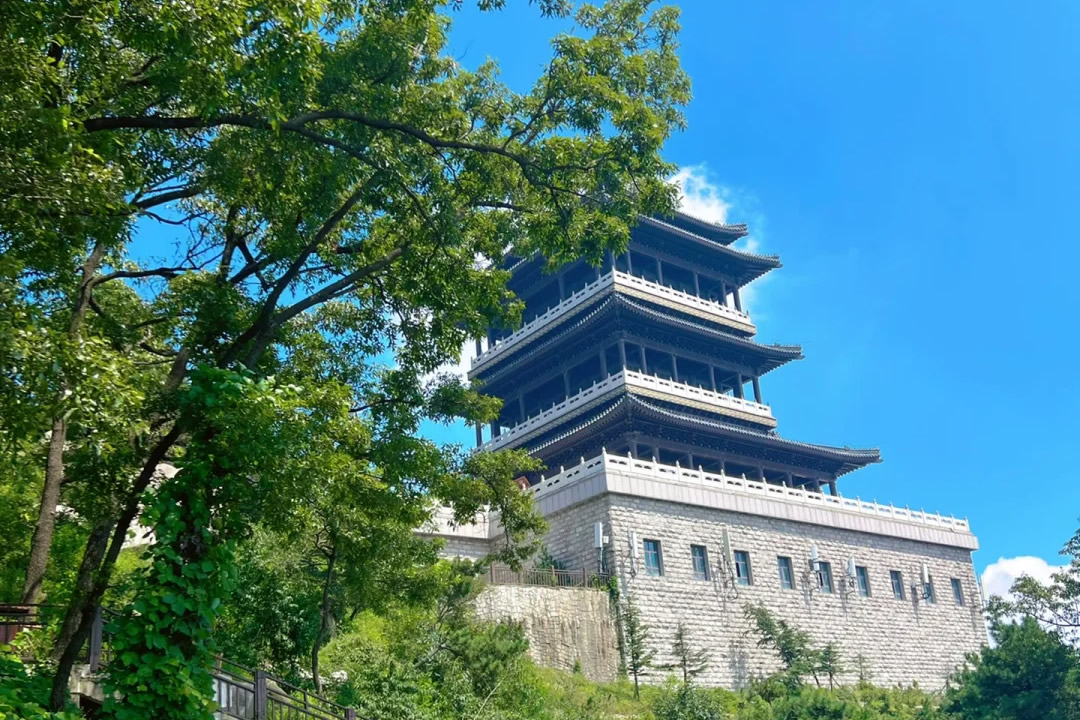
(903, 641)
(564, 625)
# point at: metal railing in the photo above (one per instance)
(240, 692)
(546, 577)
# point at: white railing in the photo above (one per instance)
(560, 408)
(731, 315)
(547, 319)
(629, 377)
(692, 392)
(740, 485)
(528, 329)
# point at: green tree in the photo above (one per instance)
(689, 661)
(829, 663)
(1055, 604)
(792, 645)
(345, 191)
(1029, 674)
(639, 656)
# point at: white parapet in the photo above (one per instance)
(642, 478)
(646, 384)
(483, 527)
(606, 284)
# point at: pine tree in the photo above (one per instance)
(690, 661)
(639, 656)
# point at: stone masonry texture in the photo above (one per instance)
(899, 641)
(563, 625)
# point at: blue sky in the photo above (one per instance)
(917, 168)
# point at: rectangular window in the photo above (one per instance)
(787, 575)
(958, 592)
(742, 568)
(700, 558)
(897, 579)
(931, 593)
(654, 561)
(862, 579)
(825, 577)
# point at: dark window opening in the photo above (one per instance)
(633, 358)
(897, 580)
(742, 568)
(539, 302)
(700, 559)
(584, 374)
(957, 592)
(612, 359)
(787, 573)
(645, 267)
(711, 289)
(660, 364)
(543, 396)
(678, 278)
(825, 577)
(577, 278)
(654, 560)
(670, 457)
(695, 373)
(862, 579)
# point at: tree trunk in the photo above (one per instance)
(81, 609)
(324, 619)
(46, 523)
(41, 544)
(84, 584)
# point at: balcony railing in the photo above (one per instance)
(717, 401)
(607, 462)
(546, 577)
(240, 692)
(606, 283)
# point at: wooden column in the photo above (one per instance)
(712, 377)
(622, 352)
(738, 300)
(832, 487)
(562, 290)
(674, 368)
(697, 285)
(738, 385)
(757, 391)
(479, 434)
(603, 363)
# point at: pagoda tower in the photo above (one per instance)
(651, 356)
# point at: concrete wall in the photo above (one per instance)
(564, 625)
(904, 641)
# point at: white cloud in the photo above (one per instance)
(999, 576)
(699, 196)
(703, 198)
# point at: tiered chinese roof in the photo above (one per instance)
(651, 355)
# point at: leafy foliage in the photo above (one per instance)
(1029, 673)
(1055, 605)
(24, 694)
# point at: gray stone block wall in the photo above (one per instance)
(903, 641)
(563, 625)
